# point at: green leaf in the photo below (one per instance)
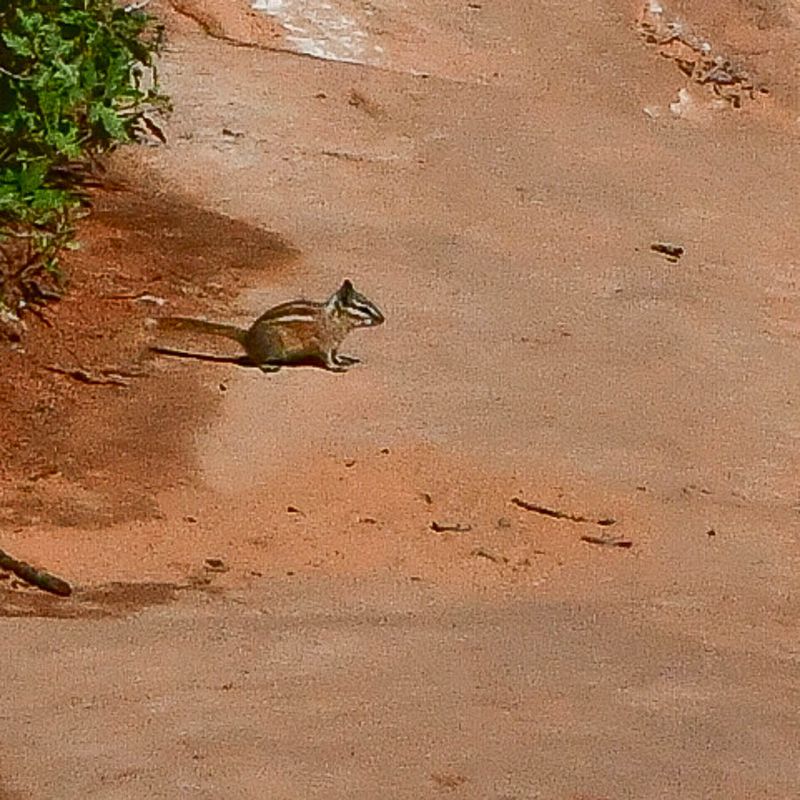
(67, 95)
(112, 123)
(17, 44)
(31, 177)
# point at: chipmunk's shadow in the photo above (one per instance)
(239, 361)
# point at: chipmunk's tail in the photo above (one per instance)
(202, 326)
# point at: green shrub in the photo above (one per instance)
(77, 78)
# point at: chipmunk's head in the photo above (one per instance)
(347, 302)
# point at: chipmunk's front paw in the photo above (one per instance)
(334, 362)
(347, 360)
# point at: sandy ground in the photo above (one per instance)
(493, 177)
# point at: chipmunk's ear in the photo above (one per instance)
(341, 296)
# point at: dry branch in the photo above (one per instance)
(555, 513)
(36, 577)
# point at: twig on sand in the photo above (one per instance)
(608, 541)
(672, 251)
(36, 577)
(106, 376)
(482, 552)
(451, 527)
(557, 514)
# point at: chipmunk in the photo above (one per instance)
(300, 330)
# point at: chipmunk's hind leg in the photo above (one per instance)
(264, 348)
